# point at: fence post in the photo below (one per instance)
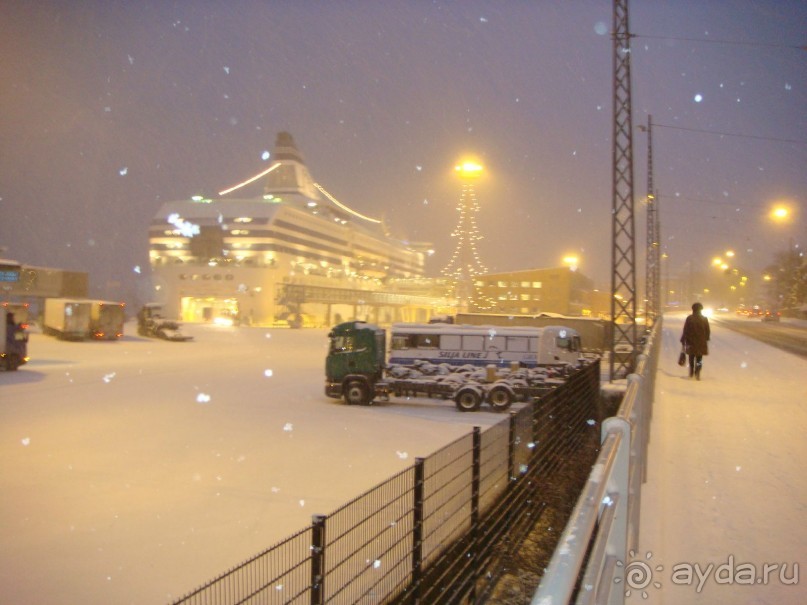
(417, 531)
(511, 450)
(317, 558)
(476, 480)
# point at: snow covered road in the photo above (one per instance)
(726, 482)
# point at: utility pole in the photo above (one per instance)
(652, 267)
(623, 250)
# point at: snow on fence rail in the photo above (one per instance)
(437, 532)
(604, 526)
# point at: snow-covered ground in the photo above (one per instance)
(726, 481)
(134, 471)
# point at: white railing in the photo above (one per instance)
(588, 565)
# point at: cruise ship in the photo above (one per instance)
(294, 255)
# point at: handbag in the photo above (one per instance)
(682, 357)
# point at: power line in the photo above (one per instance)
(713, 41)
(726, 203)
(732, 134)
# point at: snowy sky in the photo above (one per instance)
(111, 108)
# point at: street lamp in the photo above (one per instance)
(469, 169)
(571, 260)
(780, 213)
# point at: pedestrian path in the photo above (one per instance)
(724, 508)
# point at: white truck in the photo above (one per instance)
(79, 319)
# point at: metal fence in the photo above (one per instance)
(588, 563)
(440, 531)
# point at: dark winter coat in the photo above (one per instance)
(696, 335)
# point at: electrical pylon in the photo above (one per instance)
(652, 267)
(623, 249)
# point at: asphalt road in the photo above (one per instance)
(787, 335)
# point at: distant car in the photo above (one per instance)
(769, 315)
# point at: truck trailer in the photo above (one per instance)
(357, 369)
(80, 319)
(66, 318)
(106, 319)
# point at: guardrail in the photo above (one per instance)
(588, 563)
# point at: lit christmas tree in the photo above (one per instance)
(465, 266)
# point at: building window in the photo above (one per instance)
(536, 284)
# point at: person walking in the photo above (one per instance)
(695, 339)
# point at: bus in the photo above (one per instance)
(484, 345)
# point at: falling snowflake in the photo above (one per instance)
(123, 171)
(137, 269)
(698, 98)
(265, 155)
(25, 440)
(108, 377)
(268, 373)
(288, 427)
(402, 455)
(202, 398)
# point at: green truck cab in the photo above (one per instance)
(355, 362)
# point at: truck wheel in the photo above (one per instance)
(357, 393)
(500, 398)
(12, 362)
(468, 400)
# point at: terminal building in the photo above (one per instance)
(291, 255)
(559, 290)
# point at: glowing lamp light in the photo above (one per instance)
(469, 169)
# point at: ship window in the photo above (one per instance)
(208, 244)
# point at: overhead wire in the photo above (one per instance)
(717, 41)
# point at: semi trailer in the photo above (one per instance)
(451, 362)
